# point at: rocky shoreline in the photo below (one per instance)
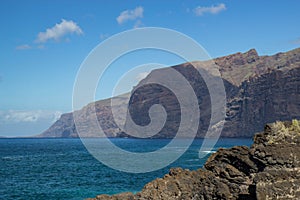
(269, 169)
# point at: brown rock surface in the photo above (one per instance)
(270, 169)
(259, 90)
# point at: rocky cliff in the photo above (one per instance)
(270, 169)
(259, 90)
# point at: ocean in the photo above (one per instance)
(64, 169)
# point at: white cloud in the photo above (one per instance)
(199, 11)
(297, 41)
(138, 24)
(23, 47)
(141, 76)
(58, 31)
(40, 47)
(103, 36)
(130, 15)
(16, 116)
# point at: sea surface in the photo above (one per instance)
(64, 169)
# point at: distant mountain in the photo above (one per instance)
(259, 90)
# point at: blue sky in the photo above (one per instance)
(43, 44)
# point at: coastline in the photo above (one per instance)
(269, 169)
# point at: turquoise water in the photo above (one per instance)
(63, 168)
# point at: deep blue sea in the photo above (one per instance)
(63, 168)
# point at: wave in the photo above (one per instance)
(212, 151)
(193, 160)
(12, 157)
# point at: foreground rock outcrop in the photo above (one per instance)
(259, 90)
(269, 169)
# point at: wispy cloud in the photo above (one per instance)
(40, 46)
(127, 15)
(201, 10)
(141, 76)
(103, 36)
(59, 31)
(16, 116)
(23, 47)
(297, 41)
(138, 24)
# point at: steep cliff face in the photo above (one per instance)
(264, 99)
(64, 127)
(259, 90)
(270, 169)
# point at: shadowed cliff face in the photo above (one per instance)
(270, 169)
(264, 99)
(259, 90)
